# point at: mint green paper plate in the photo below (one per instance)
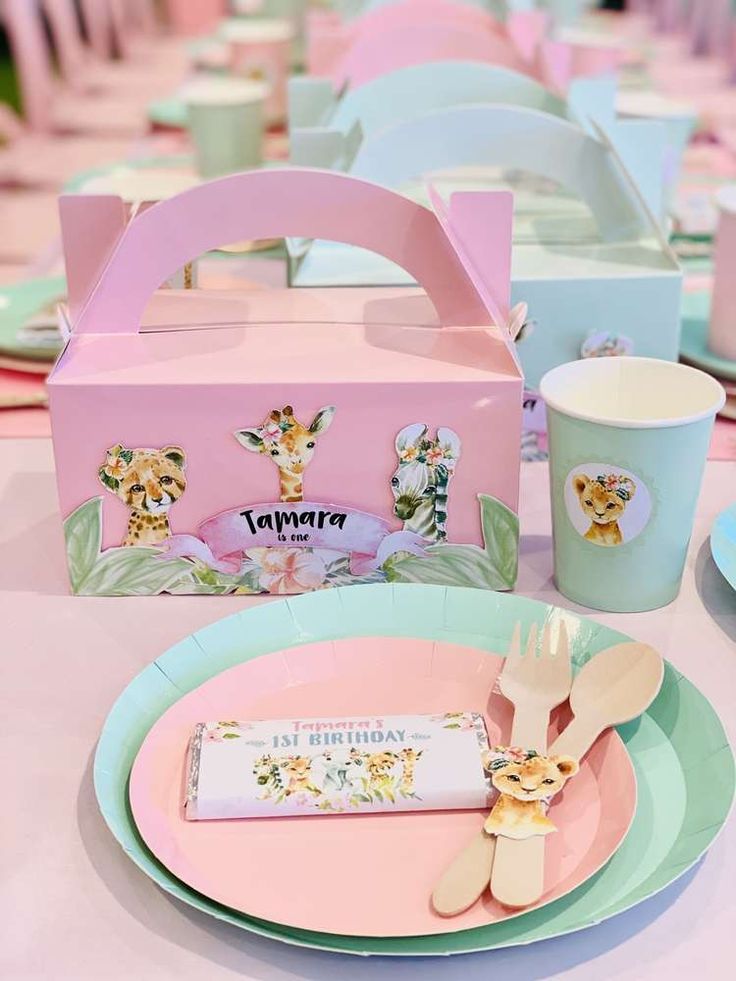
(681, 806)
(18, 303)
(170, 112)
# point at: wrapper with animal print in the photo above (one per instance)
(239, 769)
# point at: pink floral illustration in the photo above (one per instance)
(288, 570)
(271, 433)
(434, 455)
(115, 466)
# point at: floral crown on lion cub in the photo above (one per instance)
(616, 484)
(501, 756)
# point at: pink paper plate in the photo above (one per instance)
(367, 875)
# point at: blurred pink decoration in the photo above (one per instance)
(709, 27)
(722, 332)
(669, 15)
(51, 106)
(558, 63)
(329, 37)
(195, 16)
(97, 24)
(390, 37)
(83, 69)
(375, 55)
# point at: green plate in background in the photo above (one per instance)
(18, 303)
(681, 806)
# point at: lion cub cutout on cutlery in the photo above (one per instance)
(526, 782)
(148, 482)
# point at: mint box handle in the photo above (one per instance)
(279, 203)
(512, 137)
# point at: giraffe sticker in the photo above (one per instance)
(409, 757)
(421, 481)
(290, 445)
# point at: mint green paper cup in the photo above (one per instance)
(226, 122)
(628, 441)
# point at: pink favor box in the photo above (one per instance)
(287, 440)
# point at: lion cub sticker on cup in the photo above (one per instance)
(628, 440)
(606, 506)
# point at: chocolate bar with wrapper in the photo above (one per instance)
(241, 769)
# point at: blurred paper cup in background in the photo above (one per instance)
(260, 50)
(628, 441)
(226, 120)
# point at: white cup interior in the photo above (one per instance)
(632, 393)
(651, 104)
(149, 184)
(223, 92)
(256, 31)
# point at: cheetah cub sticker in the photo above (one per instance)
(607, 506)
(148, 482)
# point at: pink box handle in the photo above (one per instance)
(277, 203)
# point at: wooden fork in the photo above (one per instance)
(535, 685)
(465, 880)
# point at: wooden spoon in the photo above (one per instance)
(614, 687)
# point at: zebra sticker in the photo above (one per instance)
(421, 481)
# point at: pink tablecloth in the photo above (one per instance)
(74, 907)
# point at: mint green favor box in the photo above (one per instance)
(628, 441)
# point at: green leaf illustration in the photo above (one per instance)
(230, 735)
(443, 564)
(133, 571)
(112, 482)
(83, 534)
(501, 536)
